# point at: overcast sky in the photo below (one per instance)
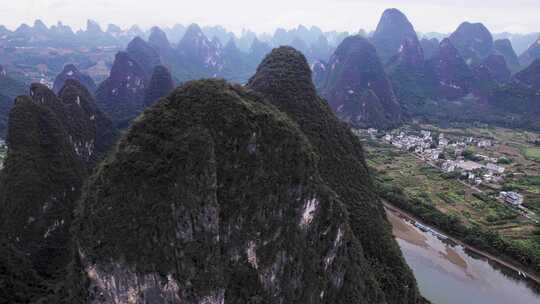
(267, 15)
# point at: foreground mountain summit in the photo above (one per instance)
(216, 196)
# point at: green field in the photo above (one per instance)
(532, 152)
(477, 218)
(432, 187)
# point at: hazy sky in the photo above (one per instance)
(267, 15)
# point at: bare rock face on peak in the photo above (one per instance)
(158, 40)
(530, 77)
(144, 54)
(473, 41)
(357, 87)
(504, 48)
(121, 95)
(197, 56)
(496, 68)
(531, 54)
(452, 76)
(318, 72)
(393, 30)
(70, 71)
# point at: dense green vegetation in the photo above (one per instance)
(54, 142)
(533, 153)
(284, 79)
(199, 177)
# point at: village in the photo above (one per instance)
(457, 156)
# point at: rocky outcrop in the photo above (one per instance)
(410, 55)
(530, 77)
(161, 84)
(357, 87)
(496, 69)
(284, 79)
(197, 56)
(451, 75)
(429, 47)
(91, 132)
(392, 31)
(144, 54)
(121, 96)
(158, 41)
(504, 48)
(473, 41)
(70, 71)
(531, 54)
(318, 72)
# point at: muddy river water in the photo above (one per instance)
(448, 273)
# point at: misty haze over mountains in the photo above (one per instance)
(408, 71)
(39, 33)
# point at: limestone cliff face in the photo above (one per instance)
(91, 132)
(531, 54)
(214, 196)
(473, 41)
(451, 75)
(144, 54)
(393, 30)
(70, 71)
(504, 47)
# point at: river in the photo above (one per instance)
(448, 273)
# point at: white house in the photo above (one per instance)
(495, 168)
(511, 197)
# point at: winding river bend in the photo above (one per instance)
(448, 273)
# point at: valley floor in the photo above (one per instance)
(449, 199)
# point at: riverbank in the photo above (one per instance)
(418, 240)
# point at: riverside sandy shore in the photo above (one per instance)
(411, 235)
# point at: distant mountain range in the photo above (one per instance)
(399, 75)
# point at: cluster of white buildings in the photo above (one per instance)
(481, 169)
(475, 172)
(424, 145)
(429, 149)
